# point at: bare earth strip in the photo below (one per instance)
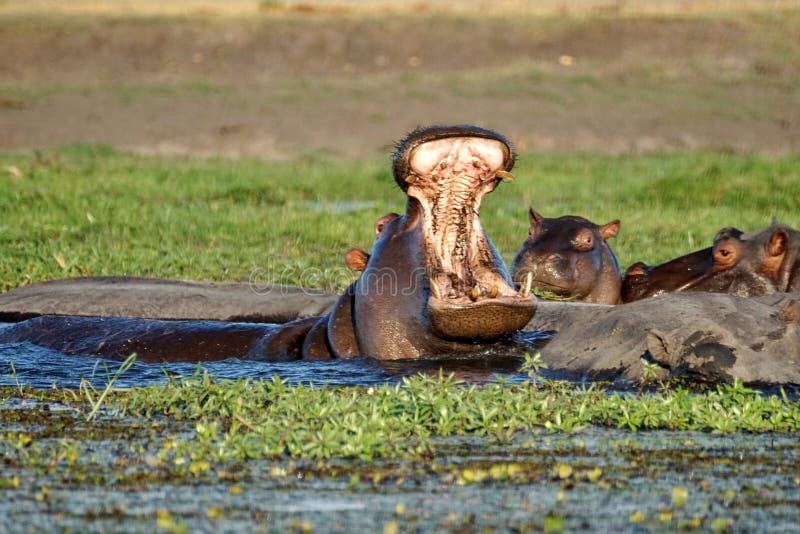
(282, 83)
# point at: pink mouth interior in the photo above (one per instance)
(449, 177)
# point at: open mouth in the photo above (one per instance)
(471, 295)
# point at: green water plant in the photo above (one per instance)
(266, 418)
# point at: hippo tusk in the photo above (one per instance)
(435, 290)
(411, 178)
(526, 288)
(475, 293)
(494, 291)
(505, 176)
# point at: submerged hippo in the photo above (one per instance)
(741, 263)
(569, 256)
(697, 336)
(433, 284)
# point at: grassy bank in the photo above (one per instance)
(89, 210)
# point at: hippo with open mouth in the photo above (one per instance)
(746, 264)
(433, 284)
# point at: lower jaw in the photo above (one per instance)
(482, 320)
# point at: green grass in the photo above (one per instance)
(89, 210)
(234, 421)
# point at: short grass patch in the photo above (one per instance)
(90, 210)
(233, 421)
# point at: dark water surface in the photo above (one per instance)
(38, 367)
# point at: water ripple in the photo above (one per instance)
(28, 364)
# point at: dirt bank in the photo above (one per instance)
(283, 84)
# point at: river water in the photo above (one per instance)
(38, 367)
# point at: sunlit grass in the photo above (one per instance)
(89, 210)
(242, 420)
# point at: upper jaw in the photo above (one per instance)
(446, 173)
(420, 136)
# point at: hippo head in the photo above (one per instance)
(569, 256)
(741, 263)
(450, 286)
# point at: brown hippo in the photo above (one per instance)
(741, 263)
(433, 284)
(569, 256)
(356, 259)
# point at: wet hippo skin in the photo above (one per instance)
(570, 257)
(154, 298)
(700, 336)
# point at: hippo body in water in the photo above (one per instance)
(746, 264)
(569, 256)
(433, 284)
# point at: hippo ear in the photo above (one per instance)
(637, 269)
(356, 260)
(609, 230)
(775, 253)
(381, 223)
(778, 242)
(534, 216)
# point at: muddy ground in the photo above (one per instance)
(285, 83)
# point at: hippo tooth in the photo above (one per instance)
(410, 179)
(494, 291)
(506, 176)
(435, 290)
(475, 293)
(526, 289)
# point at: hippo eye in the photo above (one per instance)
(725, 255)
(584, 241)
